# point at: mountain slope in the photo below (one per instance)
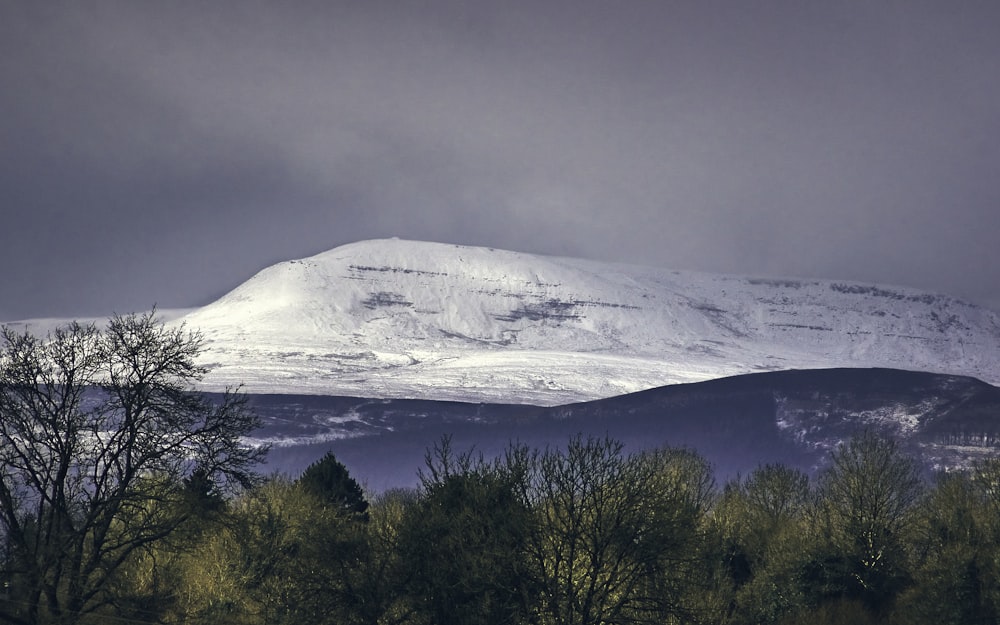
(392, 318)
(794, 418)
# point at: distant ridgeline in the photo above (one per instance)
(790, 417)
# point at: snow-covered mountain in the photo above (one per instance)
(405, 319)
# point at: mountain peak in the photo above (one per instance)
(398, 318)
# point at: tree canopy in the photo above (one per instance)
(99, 428)
(125, 496)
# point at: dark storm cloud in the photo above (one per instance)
(163, 152)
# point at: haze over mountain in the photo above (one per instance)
(406, 319)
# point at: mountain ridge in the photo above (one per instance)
(409, 319)
(792, 417)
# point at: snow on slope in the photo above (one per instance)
(393, 318)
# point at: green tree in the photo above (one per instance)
(864, 515)
(682, 492)
(98, 428)
(329, 480)
(759, 526)
(957, 573)
(378, 588)
(280, 558)
(464, 541)
(776, 495)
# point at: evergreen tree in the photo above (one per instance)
(329, 480)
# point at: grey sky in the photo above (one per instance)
(163, 152)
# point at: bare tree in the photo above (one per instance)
(98, 429)
(614, 532)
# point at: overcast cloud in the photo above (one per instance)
(164, 152)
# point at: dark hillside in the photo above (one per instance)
(792, 417)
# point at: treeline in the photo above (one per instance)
(581, 534)
(127, 498)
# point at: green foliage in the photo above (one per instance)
(957, 574)
(464, 542)
(865, 512)
(833, 612)
(282, 557)
(201, 495)
(576, 535)
(760, 536)
(379, 590)
(329, 480)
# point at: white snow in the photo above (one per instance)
(395, 318)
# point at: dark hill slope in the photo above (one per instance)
(793, 417)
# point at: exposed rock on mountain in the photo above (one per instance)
(404, 319)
